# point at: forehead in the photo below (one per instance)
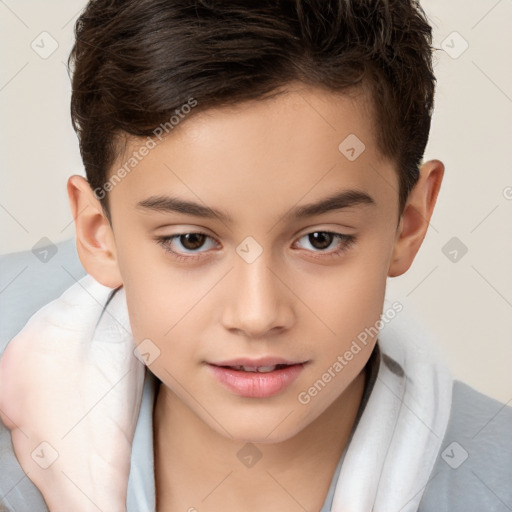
(293, 148)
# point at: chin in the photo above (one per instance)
(259, 428)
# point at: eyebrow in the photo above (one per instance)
(336, 201)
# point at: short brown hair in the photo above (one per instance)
(137, 61)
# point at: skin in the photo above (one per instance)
(255, 161)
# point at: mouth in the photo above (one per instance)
(256, 378)
(258, 369)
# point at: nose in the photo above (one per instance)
(259, 303)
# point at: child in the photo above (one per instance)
(225, 144)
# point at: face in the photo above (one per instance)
(268, 280)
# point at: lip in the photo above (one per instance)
(256, 384)
(262, 361)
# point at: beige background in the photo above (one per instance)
(466, 304)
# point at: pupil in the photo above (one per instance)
(324, 237)
(197, 240)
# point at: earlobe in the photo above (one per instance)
(94, 237)
(416, 217)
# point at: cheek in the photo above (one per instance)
(162, 328)
(158, 310)
(348, 297)
(154, 295)
(167, 307)
(338, 301)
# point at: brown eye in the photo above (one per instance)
(192, 241)
(320, 239)
(184, 246)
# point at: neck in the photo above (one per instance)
(197, 468)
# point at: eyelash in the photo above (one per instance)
(165, 241)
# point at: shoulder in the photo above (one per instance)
(473, 470)
(18, 493)
(29, 280)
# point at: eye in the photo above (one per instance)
(189, 241)
(323, 240)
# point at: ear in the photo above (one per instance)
(416, 216)
(94, 236)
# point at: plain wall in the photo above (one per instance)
(466, 303)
